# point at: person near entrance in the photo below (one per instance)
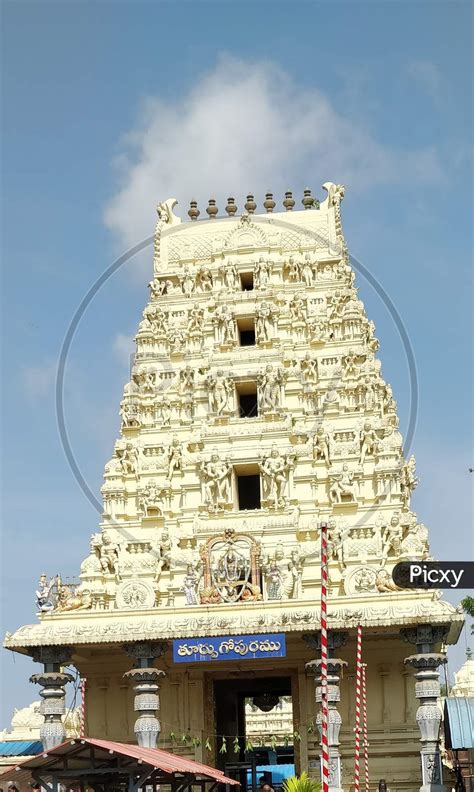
(264, 786)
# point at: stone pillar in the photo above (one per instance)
(52, 679)
(335, 666)
(427, 691)
(145, 683)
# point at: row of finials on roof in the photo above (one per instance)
(250, 205)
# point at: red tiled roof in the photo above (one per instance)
(165, 761)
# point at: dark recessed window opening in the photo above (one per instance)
(247, 399)
(248, 488)
(246, 329)
(246, 279)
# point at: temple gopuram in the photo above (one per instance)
(256, 411)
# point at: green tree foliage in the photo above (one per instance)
(468, 605)
(302, 784)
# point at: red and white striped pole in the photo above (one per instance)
(365, 741)
(358, 709)
(324, 659)
(83, 707)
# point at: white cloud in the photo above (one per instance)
(247, 128)
(38, 381)
(124, 348)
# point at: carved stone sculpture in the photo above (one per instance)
(321, 445)
(45, 600)
(342, 487)
(261, 273)
(221, 392)
(269, 389)
(408, 481)
(265, 315)
(188, 283)
(150, 499)
(217, 489)
(307, 270)
(297, 309)
(196, 320)
(275, 470)
(174, 458)
(229, 275)
(225, 326)
(107, 552)
(292, 270)
(204, 280)
(368, 442)
(190, 586)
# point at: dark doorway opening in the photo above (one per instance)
(247, 398)
(246, 329)
(256, 717)
(248, 489)
(246, 279)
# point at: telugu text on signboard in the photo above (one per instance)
(237, 647)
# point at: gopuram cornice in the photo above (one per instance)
(378, 611)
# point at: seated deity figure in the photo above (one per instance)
(157, 288)
(275, 471)
(157, 319)
(108, 554)
(269, 389)
(216, 472)
(229, 275)
(128, 458)
(44, 600)
(369, 442)
(261, 273)
(220, 392)
(297, 308)
(343, 485)
(225, 326)
(321, 445)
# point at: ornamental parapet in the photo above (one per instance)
(391, 611)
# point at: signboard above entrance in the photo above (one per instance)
(236, 647)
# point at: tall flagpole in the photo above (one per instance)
(324, 659)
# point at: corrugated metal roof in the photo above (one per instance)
(155, 758)
(20, 747)
(459, 713)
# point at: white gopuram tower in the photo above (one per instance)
(256, 409)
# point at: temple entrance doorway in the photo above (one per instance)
(255, 716)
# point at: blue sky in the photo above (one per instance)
(109, 108)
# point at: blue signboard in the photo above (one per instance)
(236, 647)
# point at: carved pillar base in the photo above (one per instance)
(145, 678)
(427, 691)
(53, 681)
